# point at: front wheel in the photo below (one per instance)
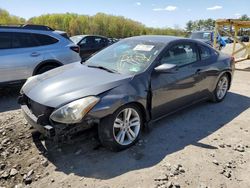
(221, 89)
(122, 129)
(45, 69)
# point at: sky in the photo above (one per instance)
(160, 13)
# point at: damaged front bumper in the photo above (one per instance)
(37, 116)
(47, 130)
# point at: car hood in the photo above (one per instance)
(70, 82)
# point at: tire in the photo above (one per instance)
(221, 89)
(45, 68)
(119, 137)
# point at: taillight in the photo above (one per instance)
(75, 49)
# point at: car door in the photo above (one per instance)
(206, 71)
(179, 87)
(18, 60)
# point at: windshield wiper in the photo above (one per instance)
(103, 68)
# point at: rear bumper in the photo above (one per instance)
(46, 130)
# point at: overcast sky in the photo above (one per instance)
(161, 13)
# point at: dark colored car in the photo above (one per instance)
(90, 44)
(125, 86)
(244, 38)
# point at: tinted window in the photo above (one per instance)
(26, 40)
(44, 39)
(5, 40)
(180, 54)
(87, 42)
(205, 52)
(23, 40)
(99, 41)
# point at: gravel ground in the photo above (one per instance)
(207, 145)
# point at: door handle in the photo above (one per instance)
(34, 54)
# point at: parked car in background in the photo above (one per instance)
(208, 37)
(90, 44)
(29, 50)
(125, 86)
(244, 38)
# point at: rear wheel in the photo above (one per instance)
(221, 89)
(45, 69)
(122, 129)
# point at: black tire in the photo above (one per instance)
(45, 68)
(215, 97)
(106, 129)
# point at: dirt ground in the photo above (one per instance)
(207, 145)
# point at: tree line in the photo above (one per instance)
(207, 24)
(104, 24)
(100, 24)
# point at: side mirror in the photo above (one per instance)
(165, 68)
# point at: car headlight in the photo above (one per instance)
(74, 111)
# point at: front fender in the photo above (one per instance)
(117, 97)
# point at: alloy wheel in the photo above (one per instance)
(126, 126)
(222, 87)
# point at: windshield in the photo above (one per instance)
(76, 39)
(127, 56)
(202, 35)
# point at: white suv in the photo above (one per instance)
(33, 49)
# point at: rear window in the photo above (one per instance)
(5, 40)
(65, 35)
(44, 39)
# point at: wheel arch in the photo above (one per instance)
(46, 62)
(228, 73)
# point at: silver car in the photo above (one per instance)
(33, 49)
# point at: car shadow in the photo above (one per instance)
(8, 98)
(245, 69)
(85, 158)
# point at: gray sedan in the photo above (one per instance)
(126, 86)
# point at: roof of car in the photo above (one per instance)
(158, 38)
(202, 31)
(82, 36)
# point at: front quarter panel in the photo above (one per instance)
(134, 91)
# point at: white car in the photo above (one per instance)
(33, 49)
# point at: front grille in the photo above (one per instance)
(40, 111)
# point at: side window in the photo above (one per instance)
(180, 54)
(83, 42)
(5, 40)
(87, 42)
(23, 40)
(205, 52)
(99, 42)
(43, 40)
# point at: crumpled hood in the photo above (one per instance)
(70, 82)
